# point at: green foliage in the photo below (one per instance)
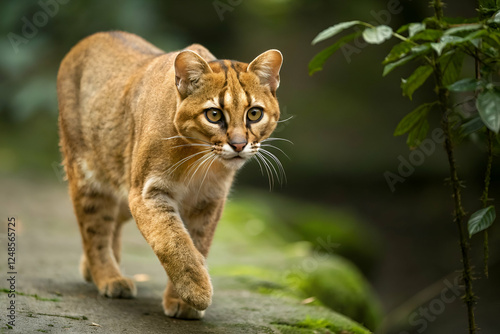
(410, 85)
(451, 62)
(439, 47)
(427, 35)
(464, 85)
(397, 52)
(415, 51)
(318, 61)
(412, 119)
(415, 124)
(488, 105)
(377, 35)
(334, 30)
(473, 125)
(481, 220)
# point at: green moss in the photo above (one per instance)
(61, 316)
(285, 248)
(341, 287)
(34, 296)
(331, 231)
(314, 325)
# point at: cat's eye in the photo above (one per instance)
(213, 115)
(255, 115)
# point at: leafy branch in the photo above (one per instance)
(439, 45)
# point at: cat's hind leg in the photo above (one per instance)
(122, 217)
(97, 214)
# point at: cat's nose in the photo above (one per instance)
(238, 145)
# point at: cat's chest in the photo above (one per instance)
(200, 201)
(196, 194)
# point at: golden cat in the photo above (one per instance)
(161, 136)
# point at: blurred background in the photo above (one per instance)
(342, 126)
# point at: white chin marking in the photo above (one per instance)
(234, 163)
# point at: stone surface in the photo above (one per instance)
(51, 296)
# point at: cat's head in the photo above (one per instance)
(228, 105)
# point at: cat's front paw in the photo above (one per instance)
(195, 288)
(119, 287)
(176, 308)
(85, 269)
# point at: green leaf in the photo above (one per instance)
(397, 52)
(416, 51)
(474, 37)
(377, 35)
(471, 126)
(417, 134)
(316, 64)
(496, 18)
(464, 85)
(403, 28)
(481, 220)
(451, 63)
(413, 118)
(414, 81)
(445, 41)
(461, 28)
(333, 30)
(460, 20)
(427, 35)
(488, 105)
(389, 67)
(415, 28)
(492, 38)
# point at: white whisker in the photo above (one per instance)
(276, 138)
(205, 159)
(269, 172)
(278, 176)
(278, 164)
(214, 157)
(260, 165)
(205, 145)
(174, 167)
(285, 120)
(184, 137)
(276, 148)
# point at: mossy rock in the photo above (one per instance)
(341, 287)
(250, 248)
(329, 230)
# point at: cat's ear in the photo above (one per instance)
(267, 67)
(189, 67)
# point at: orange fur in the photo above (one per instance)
(135, 132)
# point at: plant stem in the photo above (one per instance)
(487, 175)
(438, 9)
(459, 212)
(484, 197)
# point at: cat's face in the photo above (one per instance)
(227, 105)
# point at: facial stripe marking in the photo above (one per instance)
(249, 99)
(221, 97)
(233, 66)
